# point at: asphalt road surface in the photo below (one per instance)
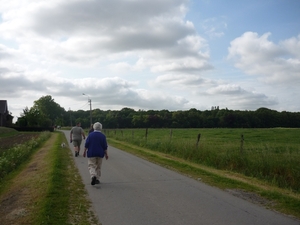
(136, 192)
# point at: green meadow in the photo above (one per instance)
(271, 155)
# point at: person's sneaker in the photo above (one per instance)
(97, 182)
(93, 181)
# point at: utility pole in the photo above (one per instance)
(90, 102)
(70, 117)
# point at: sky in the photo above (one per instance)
(151, 54)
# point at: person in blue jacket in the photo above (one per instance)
(95, 150)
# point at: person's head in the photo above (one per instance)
(97, 126)
(78, 124)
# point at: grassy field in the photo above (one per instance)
(272, 155)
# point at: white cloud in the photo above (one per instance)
(85, 32)
(183, 81)
(214, 27)
(139, 54)
(226, 89)
(235, 97)
(273, 63)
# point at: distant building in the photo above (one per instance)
(5, 117)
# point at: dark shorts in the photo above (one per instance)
(76, 143)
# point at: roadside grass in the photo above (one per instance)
(260, 192)
(7, 132)
(66, 194)
(271, 155)
(46, 190)
(54, 205)
(12, 158)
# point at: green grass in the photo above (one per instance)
(56, 203)
(66, 199)
(271, 155)
(12, 158)
(57, 194)
(7, 132)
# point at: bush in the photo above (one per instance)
(14, 157)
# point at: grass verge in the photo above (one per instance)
(259, 192)
(47, 190)
(271, 155)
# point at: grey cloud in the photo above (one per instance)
(252, 101)
(107, 91)
(183, 80)
(83, 31)
(76, 16)
(14, 85)
(236, 97)
(149, 38)
(133, 99)
(117, 91)
(3, 71)
(4, 53)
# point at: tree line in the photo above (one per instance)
(46, 112)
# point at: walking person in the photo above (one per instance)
(91, 128)
(95, 150)
(76, 136)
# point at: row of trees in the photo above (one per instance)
(46, 112)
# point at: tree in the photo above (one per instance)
(30, 116)
(48, 109)
(44, 112)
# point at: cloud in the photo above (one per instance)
(127, 53)
(273, 63)
(214, 27)
(107, 91)
(235, 97)
(84, 32)
(183, 81)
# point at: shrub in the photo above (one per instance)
(14, 157)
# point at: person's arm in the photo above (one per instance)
(86, 146)
(84, 153)
(105, 154)
(106, 147)
(82, 133)
(71, 136)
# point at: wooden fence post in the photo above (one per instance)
(242, 143)
(198, 140)
(146, 134)
(171, 134)
(132, 134)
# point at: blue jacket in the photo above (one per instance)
(96, 144)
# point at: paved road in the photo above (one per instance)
(136, 192)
